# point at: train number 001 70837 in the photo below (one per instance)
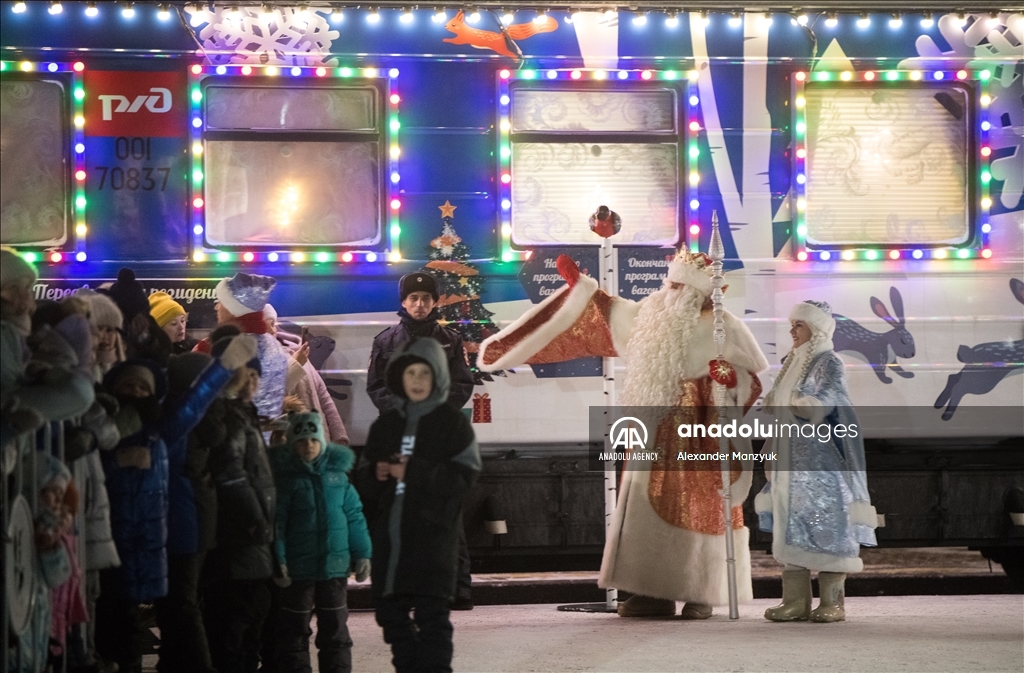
(146, 178)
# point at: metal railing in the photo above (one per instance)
(22, 481)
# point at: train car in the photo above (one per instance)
(873, 161)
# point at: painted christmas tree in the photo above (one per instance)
(459, 284)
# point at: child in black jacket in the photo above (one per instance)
(419, 462)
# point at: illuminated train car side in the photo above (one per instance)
(875, 163)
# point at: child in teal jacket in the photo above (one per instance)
(321, 538)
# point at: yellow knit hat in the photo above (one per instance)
(163, 308)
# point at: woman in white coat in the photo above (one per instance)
(816, 502)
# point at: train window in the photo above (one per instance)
(291, 108)
(34, 165)
(887, 165)
(293, 165)
(574, 149)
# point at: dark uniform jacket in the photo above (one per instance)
(388, 341)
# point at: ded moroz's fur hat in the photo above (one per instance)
(692, 269)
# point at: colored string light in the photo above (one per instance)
(985, 154)
(393, 226)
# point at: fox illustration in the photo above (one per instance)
(499, 42)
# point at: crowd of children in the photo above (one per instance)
(210, 494)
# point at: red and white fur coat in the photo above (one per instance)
(667, 536)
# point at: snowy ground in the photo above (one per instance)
(906, 633)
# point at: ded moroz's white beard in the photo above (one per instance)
(658, 345)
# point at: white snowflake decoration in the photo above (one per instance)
(996, 45)
(283, 36)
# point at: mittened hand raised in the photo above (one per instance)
(361, 568)
(568, 269)
(722, 372)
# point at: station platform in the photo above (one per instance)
(887, 572)
(934, 610)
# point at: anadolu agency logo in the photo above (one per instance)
(628, 437)
(625, 434)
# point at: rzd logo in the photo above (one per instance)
(159, 103)
(628, 436)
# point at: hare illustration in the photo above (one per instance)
(985, 365)
(880, 349)
(502, 42)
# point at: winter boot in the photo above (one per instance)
(796, 597)
(831, 607)
(696, 611)
(645, 606)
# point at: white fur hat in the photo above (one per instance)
(693, 269)
(269, 312)
(15, 269)
(817, 315)
(103, 312)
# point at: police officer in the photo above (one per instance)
(418, 293)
